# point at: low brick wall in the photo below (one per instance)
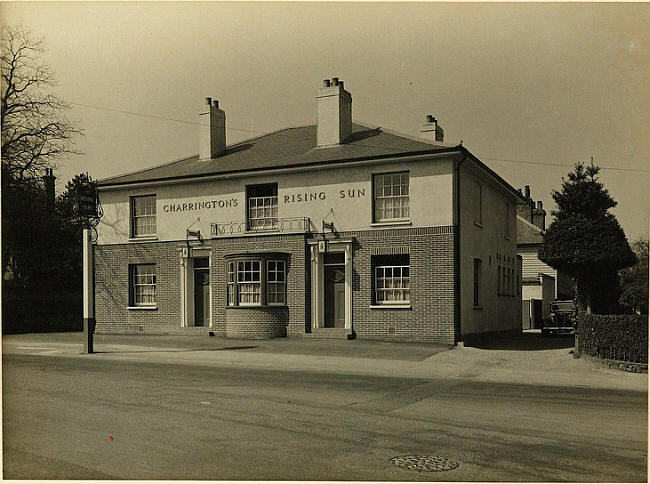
(257, 322)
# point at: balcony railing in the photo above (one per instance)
(286, 225)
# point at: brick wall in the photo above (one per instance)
(112, 288)
(430, 319)
(431, 254)
(260, 322)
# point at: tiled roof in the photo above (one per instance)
(284, 148)
(528, 233)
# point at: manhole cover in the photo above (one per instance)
(424, 463)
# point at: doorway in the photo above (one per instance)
(201, 291)
(334, 294)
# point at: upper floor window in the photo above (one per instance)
(478, 203)
(391, 196)
(143, 216)
(262, 203)
(392, 279)
(142, 284)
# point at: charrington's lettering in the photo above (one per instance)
(209, 204)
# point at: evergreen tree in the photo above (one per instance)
(634, 281)
(586, 241)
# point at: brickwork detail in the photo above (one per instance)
(257, 322)
(430, 318)
(112, 288)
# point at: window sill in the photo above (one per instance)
(143, 238)
(387, 224)
(142, 308)
(390, 306)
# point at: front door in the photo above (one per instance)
(334, 296)
(201, 293)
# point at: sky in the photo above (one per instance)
(529, 88)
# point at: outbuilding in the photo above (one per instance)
(335, 230)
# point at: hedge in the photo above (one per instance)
(617, 337)
(41, 311)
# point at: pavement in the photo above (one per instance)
(524, 359)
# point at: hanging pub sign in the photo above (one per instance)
(87, 200)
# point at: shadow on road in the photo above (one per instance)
(523, 342)
(161, 350)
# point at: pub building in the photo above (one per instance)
(335, 230)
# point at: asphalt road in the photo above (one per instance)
(72, 418)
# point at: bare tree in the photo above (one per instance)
(35, 134)
(35, 131)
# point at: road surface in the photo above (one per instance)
(86, 418)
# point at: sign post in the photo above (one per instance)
(87, 207)
(89, 292)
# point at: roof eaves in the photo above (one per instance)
(287, 167)
(494, 174)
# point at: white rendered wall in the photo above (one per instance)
(339, 195)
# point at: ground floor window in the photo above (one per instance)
(275, 282)
(477, 282)
(249, 282)
(256, 282)
(392, 279)
(142, 291)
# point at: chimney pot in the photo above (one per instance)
(540, 206)
(430, 118)
(527, 191)
(212, 130)
(334, 114)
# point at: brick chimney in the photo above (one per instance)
(525, 210)
(539, 216)
(431, 130)
(212, 130)
(48, 182)
(334, 121)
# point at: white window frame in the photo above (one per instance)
(274, 286)
(251, 288)
(384, 194)
(230, 288)
(400, 284)
(148, 214)
(146, 280)
(263, 213)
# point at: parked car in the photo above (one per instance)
(562, 319)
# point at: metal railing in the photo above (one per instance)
(287, 224)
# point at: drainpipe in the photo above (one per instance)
(457, 319)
